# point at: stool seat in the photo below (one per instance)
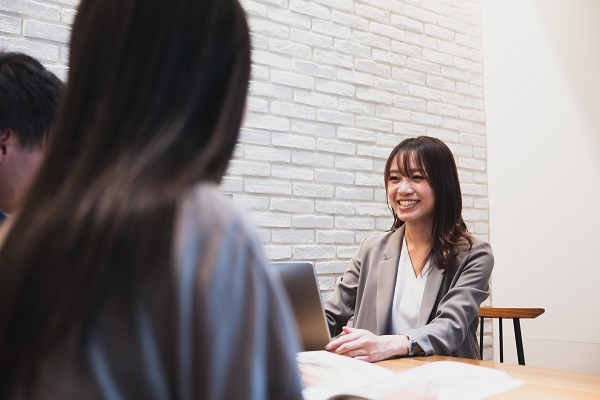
(515, 314)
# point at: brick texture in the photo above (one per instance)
(335, 85)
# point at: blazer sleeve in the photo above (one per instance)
(458, 308)
(340, 306)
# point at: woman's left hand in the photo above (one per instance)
(365, 345)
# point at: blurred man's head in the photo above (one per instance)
(29, 95)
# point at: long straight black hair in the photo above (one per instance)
(435, 162)
(154, 101)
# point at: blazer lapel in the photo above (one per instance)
(430, 293)
(386, 280)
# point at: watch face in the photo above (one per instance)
(413, 345)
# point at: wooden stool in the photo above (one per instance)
(515, 314)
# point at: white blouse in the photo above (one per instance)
(408, 293)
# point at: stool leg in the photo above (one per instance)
(519, 340)
(501, 341)
(481, 338)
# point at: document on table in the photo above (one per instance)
(330, 376)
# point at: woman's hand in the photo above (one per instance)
(364, 345)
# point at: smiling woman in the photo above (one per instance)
(416, 289)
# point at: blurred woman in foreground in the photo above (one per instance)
(126, 274)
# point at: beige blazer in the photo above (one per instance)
(448, 318)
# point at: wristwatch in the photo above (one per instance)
(412, 345)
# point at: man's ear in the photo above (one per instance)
(5, 137)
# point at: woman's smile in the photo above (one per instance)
(408, 203)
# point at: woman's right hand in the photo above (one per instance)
(365, 345)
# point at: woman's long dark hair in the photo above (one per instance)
(155, 98)
(435, 162)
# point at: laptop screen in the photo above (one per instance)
(300, 282)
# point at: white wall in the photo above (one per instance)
(542, 98)
(336, 84)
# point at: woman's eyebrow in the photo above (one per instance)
(410, 171)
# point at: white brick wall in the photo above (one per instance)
(341, 83)
(336, 85)
(38, 28)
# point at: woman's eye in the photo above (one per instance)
(394, 178)
(417, 177)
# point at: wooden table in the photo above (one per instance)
(540, 383)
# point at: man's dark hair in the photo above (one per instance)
(29, 96)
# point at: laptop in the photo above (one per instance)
(300, 282)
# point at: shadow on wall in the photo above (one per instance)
(565, 26)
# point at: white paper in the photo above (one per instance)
(326, 375)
